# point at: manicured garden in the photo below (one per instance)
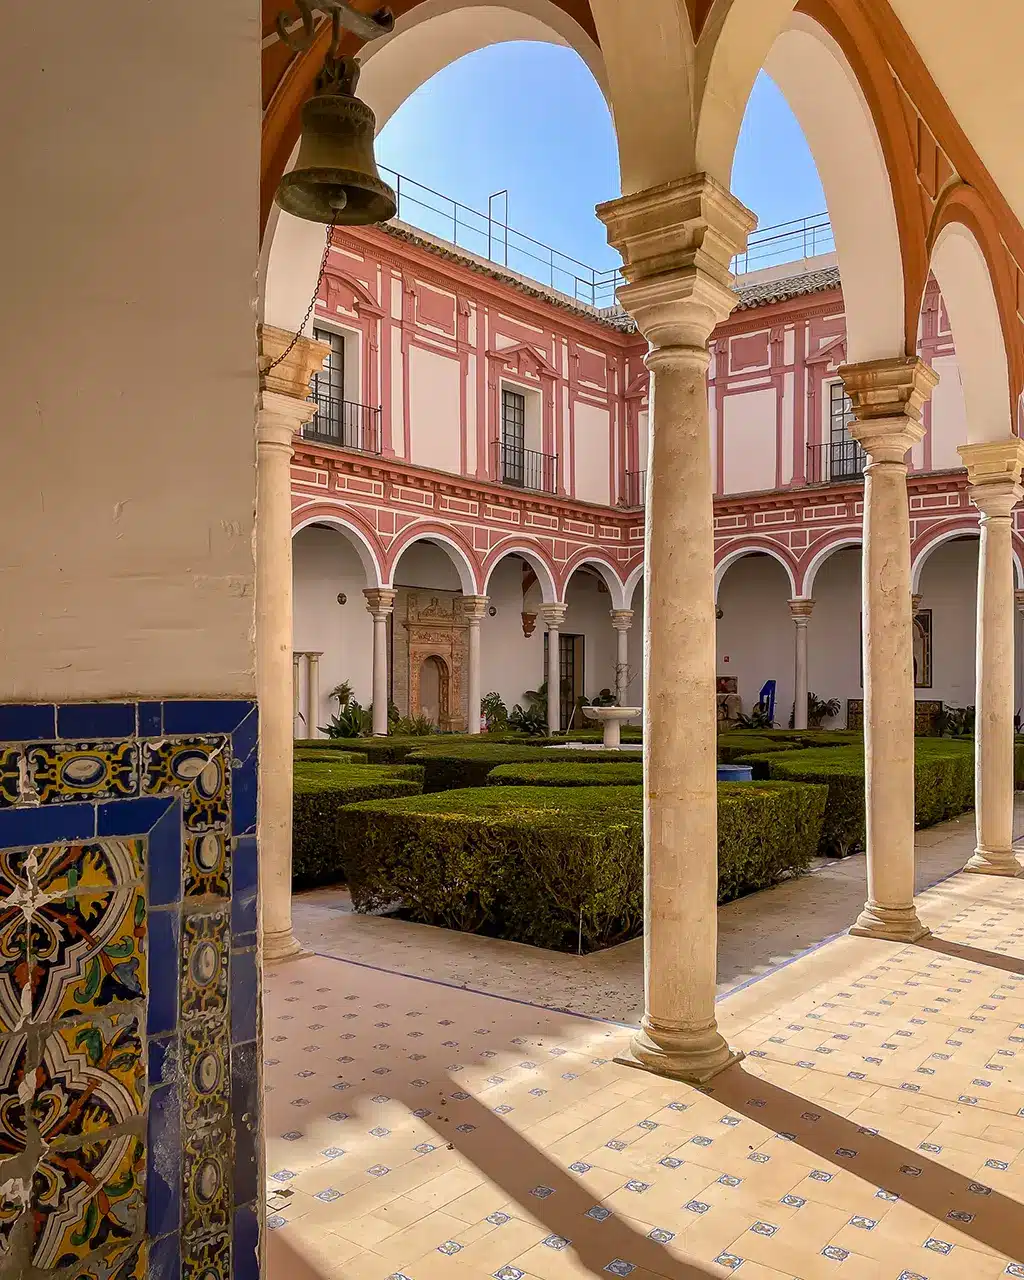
(500, 835)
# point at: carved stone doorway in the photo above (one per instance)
(435, 689)
(431, 652)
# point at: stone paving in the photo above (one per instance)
(875, 1127)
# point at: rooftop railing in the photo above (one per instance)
(489, 236)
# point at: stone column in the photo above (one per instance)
(994, 475)
(887, 397)
(676, 242)
(283, 410)
(296, 677)
(554, 616)
(313, 693)
(801, 613)
(475, 609)
(380, 603)
(622, 620)
(1018, 597)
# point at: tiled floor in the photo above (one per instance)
(875, 1128)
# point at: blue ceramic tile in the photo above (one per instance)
(132, 817)
(164, 856)
(48, 824)
(164, 1261)
(151, 719)
(162, 1060)
(244, 876)
(245, 1257)
(243, 799)
(86, 721)
(209, 716)
(163, 972)
(243, 941)
(163, 1183)
(244, 996)
(245, 1115)
(245, 738)
(26, 722)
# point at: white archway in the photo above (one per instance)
(545, 578)
(352, 533)
(456, 554)
(819, 558)
(952, 535)
(632, 582)
(741, 552)
(966, 286)
(608, 574)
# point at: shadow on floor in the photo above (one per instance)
(948, 1197)
(974, 955)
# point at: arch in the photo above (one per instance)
(966, 274)
(607, 570)
(751, 548)
(363, 540)
(539, 563)
(632, 582)
(823, 554)
(450, 541)
(965, 527)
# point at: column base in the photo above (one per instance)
(994, 862)
(890, 924)
(282, 945)
(694, 1058)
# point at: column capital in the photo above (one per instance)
(475, 607)
(292, 376)
(888, 397)
(622, 619)
(801, 609)
(380, 601)
(1018, 600)
(994, 474)
(553, 614)
(915, 602)
(677, 243)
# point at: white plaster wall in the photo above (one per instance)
(833, 633)
(593, 447)
(434, 407)
(949, 418)
(755, 632)
(949, 588)
(749, 441)
(127, 486)
(589, 615)
(510, 662)
(326, 564)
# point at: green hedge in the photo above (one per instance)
(462, 762)
(556, 866)
(556, 774)
(943, 785)
(321, 791)
(306, 755)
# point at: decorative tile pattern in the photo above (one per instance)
(128, 1099)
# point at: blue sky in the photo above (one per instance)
(530, 118)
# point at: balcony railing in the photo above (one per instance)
(636, 488)
(525, 468)
(835, 461)
(345, 424)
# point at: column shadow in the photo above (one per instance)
(974, 955)
(971, 1207)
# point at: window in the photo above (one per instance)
(845, 455)
(570, 671)
(513, 436)
(329, 388)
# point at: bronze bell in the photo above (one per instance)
(335, 179)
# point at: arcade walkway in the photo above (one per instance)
(875, 1128)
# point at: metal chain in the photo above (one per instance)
(312, 302)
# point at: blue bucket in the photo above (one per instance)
(735, 773)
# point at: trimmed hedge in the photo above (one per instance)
(943, 785)
(309, 756)
(321, 791)
(556, 774)
(556, 867)
(462, 762)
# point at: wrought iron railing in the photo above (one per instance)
(525, 468)
(635, 489)
(835, 461)
(786, 242)
(345, 424)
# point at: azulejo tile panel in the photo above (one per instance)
(128, 1131)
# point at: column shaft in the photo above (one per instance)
(554, 616)
(313, 694)
(622, 620)
(475, 609)
(380, 601)
(801, 611)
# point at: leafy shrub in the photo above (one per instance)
(558, 867)
(531, 720)
(321, 790)
(494, 711)
(420, 726)
(556, 774)
(943, 785)
(466, 762)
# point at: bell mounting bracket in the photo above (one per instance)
(343, 18)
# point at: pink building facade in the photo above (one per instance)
(479, 435)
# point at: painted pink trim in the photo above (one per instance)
(424, 531)
(480, 373)
(799, 406)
